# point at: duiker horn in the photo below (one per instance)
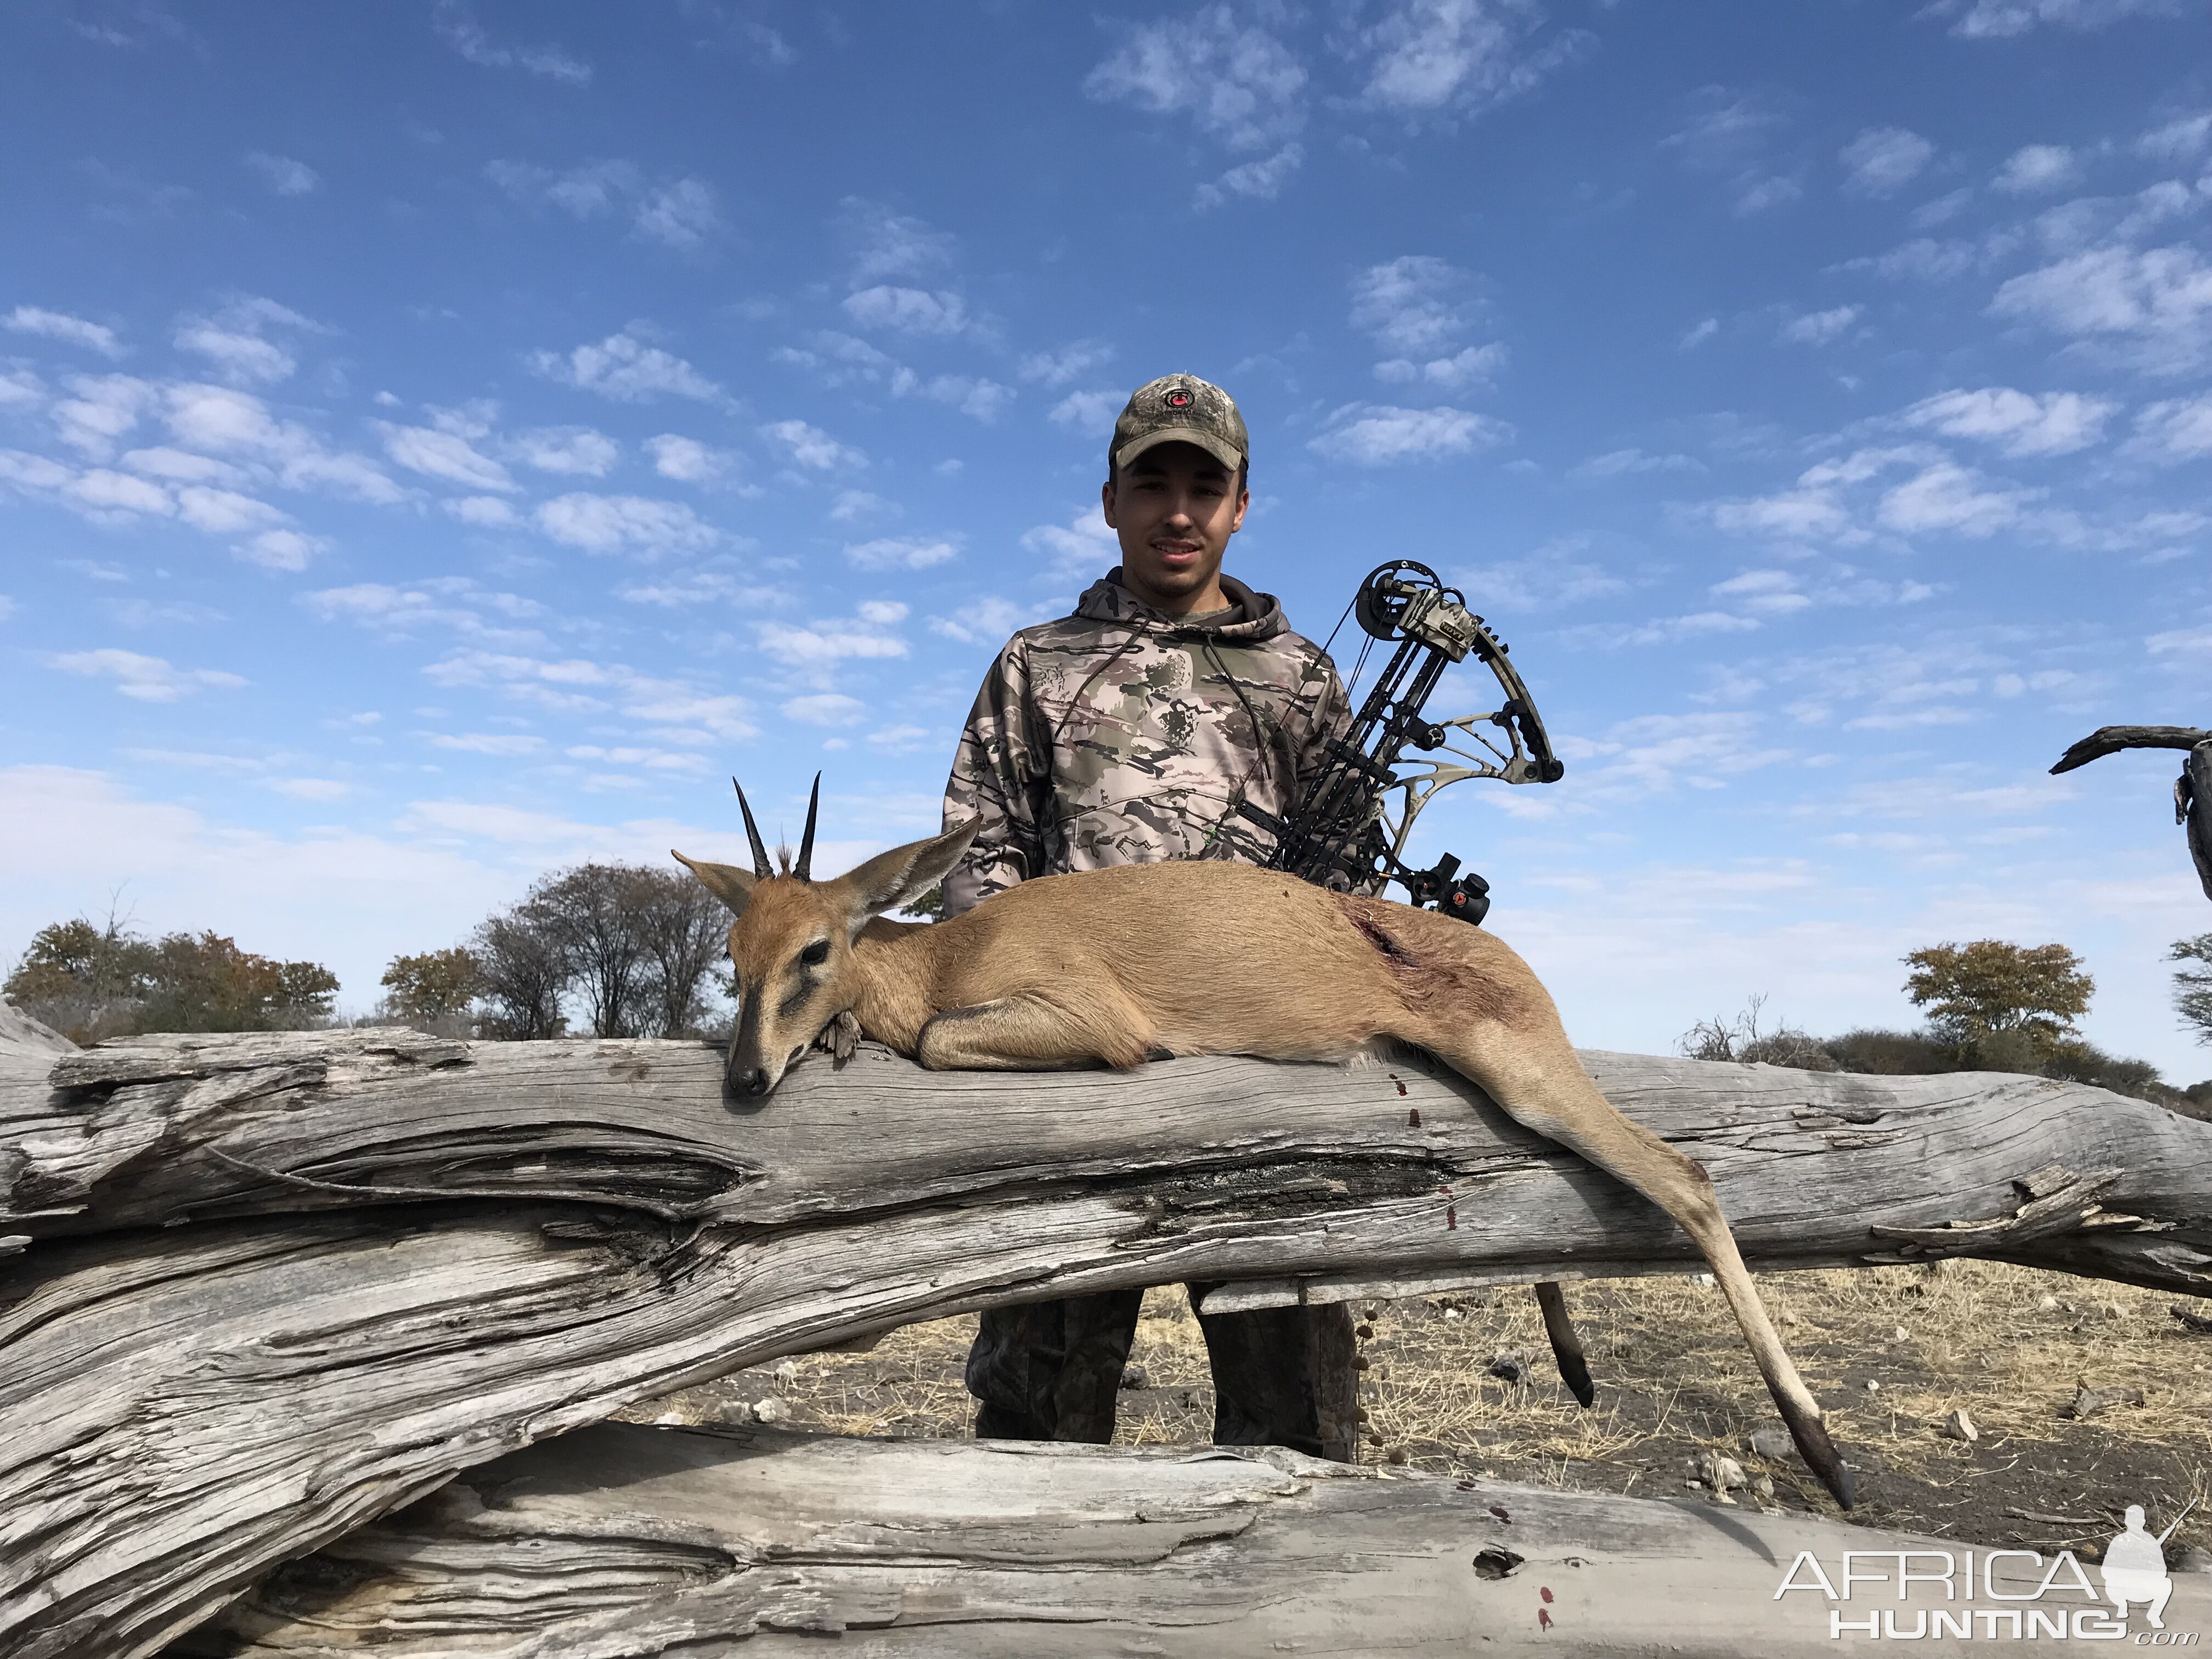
(805, 868)
(752, 832)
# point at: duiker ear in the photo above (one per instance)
(733, 887)
(903, 872)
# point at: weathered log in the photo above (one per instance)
(621, 1542)
(285, 1283)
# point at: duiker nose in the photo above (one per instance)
(754, 1082)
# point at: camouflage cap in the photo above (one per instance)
(1180, 409)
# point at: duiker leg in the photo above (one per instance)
(1036, 1030)
(1542, 1086)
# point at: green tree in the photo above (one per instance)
(91, 983)
(203, 982)
(2192, 986)
(86, 981)
(436, 985)
(2010, 1005)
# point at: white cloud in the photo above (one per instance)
(243, 359)
(60, 326)
(1233, 79)
(810, 446)
(285, 176)
(1662, 630)
(485, 512)
(981, 399)
(916, 553)
(687, 460)
(1258, 181)
(1408, 304)
(1996, 20)
(1475, 365)
(458, 27)
(888, 244)
(226, 421)
(624, 367)
(488, 743)
(910, 310)
(1621, 462)
(1820, 327)
(1089, 411)
(683, 714)
(2179, 429)
(1758, 194)
(656, 760)
(118, 492)
(616, 524)
(1057, 368)
(454, 602)
(1550, 576)
(2156, 303)
(443, 455)
(2018, 422)
(1882, 160)
(2036, 168)
(904, 739)
(1770, 593)
(832, 640)
(585, 191)
(1698, 335)
(161, 461)
(2182, 139)
(1945, 496)
(680, 214)
(281, 550)
(224, 512)
(1379, 435)
(1922, 259)
(1083, 547)
(1438, 54)
(852, 506)
(576, 450)
(148, 679)
(988, 620)
(310, 789)
(828, 709)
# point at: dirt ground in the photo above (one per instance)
(1890, 1351)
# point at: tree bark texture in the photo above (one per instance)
(282, 1283)
(623, 1542)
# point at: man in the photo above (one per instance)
(1130, 732)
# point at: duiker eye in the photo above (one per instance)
(815, 954)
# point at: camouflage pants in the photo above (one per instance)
(1282, 1377)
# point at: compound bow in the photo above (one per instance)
(1346, 832)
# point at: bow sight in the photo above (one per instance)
(1344, 833)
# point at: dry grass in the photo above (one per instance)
(2009, 1345)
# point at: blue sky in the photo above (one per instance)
(441, 442)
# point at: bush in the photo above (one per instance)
(2085, 1062)
(1740, 1039)
(1891, 1053)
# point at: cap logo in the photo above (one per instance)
(1178, 399)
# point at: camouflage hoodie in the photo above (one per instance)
(1122, 735)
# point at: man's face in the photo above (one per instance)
(1175, 508)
